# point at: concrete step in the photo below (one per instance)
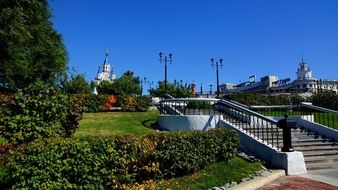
(320, 153)
(321, 166)
(313, 143)
(321, 159)
(315, 148)
(309, 140)
(299, 137)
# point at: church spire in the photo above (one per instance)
(106, 58)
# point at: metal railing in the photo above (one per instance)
(188, 106)
(256, 124)
(305, 110)
(321, 115)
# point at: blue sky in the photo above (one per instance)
(253, 37)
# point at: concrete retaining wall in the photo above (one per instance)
(187, 122)
(292, 162)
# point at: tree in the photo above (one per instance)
(128, 84)
(30, 48)
(176, 89)
(76, 84)
(105, 87)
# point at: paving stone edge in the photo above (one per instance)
(259, 181)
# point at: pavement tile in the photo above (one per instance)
(297, 183)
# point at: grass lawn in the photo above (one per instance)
(216, 174)
(116, 123)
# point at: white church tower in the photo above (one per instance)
(106, 74)
(304, 72)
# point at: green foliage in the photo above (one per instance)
(133, 103)
(263, 99)
(325, 99)
(74, 114)
(142, 103)
(30, 48)
(182, 153)
(38, 111)
(93, 103)
(125, 85)
(76, 84)
(32, 113)
(4, 176)
(176, 89)
(114, 163)
(105, 87)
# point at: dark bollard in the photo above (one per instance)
(286, 126)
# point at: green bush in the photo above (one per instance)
(142, 103)
(105, 163)
(325, 99)
(133, 103)
(183, 153)
(74, 114)
(98, 103)
(38, 111)
(32, 113)
(251, 98)
(94, 103)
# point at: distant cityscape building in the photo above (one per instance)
(304, 84)
(104, 74)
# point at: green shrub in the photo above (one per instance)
(32, 113)
(250, 98)
(133, 103)
(182, 153)
(94, 103)
(325, 99)
(38, 111)
(142, 103)
(104, 163)
(74, 114)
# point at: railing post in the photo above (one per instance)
(283, 124)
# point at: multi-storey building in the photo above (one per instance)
(304, 83)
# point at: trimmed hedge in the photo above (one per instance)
(37, 111)
(105, 163)
(101, 103)
(252, 98)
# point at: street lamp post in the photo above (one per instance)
(144, 80)
(210, 85)
(216, 63)
(151, 83)
(165, 67)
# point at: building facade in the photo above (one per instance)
(303, 84)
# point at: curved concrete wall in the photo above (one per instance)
(187, 122)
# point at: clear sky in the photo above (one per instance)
(254, 37)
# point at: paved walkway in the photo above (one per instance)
(329, 176)
(297, 183)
